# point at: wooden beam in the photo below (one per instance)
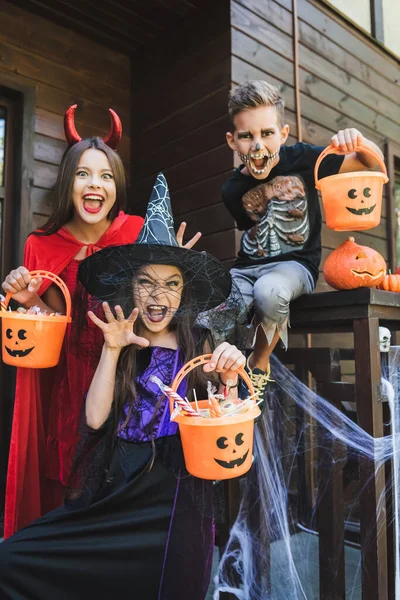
(374, 557)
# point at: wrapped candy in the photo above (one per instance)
(2, 302)
(179, 402)
(219, 406)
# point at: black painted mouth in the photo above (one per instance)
(361, 211)
(233, 463)
(19, 353)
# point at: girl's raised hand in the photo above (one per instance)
(180, 234)
(20, 283)
(118, 332)
(226, 359)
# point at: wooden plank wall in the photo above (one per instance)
(65, 68)
(180, 119)
(345, 81)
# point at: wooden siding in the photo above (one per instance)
(64, 68)
(345, 81)
(180, 119)
(122, 25)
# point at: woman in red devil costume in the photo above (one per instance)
(87, 216)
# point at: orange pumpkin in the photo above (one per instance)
(390, 283)
(352, 266)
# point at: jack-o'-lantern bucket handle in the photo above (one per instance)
(197, 362)
(55, 279)
(360, 148)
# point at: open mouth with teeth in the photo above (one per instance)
(259, 162)
(232, 463)
(19, 353)
(156, 313)
(93, 203)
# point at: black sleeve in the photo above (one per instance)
(233, 191)
(330, 165)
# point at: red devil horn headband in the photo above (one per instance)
(73, 137)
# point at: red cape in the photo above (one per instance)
(29, 494)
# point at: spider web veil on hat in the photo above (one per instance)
(108, 274)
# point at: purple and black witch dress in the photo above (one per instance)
(146, 533)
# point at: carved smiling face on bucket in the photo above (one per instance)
(232, 452)
(17, 343)
(362, 202)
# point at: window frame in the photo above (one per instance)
(23, 97)
(7, 247)
(377, 24)
(392, 152)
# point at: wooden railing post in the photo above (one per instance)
(374, 577)
(331, 503)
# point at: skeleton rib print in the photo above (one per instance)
(284, 224)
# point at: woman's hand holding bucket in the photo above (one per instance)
(23, 286)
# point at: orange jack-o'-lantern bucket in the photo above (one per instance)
(216, 448)
(352, 201)
(34, 341)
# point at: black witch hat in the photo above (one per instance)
(108, 274)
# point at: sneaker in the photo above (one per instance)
(260, 380)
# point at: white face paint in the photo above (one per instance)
(384, 339)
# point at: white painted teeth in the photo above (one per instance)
(269, 156)
(249, 157)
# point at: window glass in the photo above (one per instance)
(358, 11)
(391, 21)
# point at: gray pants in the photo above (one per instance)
(270, 289)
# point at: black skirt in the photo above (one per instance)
(145, 535)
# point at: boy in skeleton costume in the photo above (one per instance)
(273, 199)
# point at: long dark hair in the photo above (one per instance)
(63, 209)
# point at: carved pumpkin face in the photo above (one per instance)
(233, 454)
(17, 344)
(361, 202)
(352, 266)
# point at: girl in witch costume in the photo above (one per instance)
(87, 216)
(139, 523)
